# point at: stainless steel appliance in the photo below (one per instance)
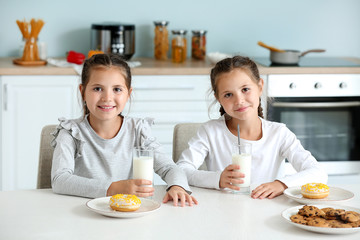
(323, 110)
(112, 37)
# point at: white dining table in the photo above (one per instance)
(42, 214)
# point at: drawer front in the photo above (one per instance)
(157, 88)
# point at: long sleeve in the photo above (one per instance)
(164, 166)
(64, 179)
(193, 157)
(308, 169)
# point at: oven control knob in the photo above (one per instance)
(292, 86)
(317, 85)
(343, 85)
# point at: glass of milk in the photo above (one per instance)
(143, 164)
(241, 155)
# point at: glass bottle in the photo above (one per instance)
(179, 46)
(198, 44)
(161, 40)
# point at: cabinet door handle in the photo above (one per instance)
(165, 88)
(316, 104)
(5, 97)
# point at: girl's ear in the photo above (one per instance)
(81, 88)
(261, 86)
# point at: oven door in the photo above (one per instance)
(329, 127)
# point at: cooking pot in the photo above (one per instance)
(289, 57)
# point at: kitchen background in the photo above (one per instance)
(234, 26)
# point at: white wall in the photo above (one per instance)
(234, 26)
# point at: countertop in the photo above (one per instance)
(41, 214)
(149, 66)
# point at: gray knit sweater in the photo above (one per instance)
(84, 164)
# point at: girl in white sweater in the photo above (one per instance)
(237, 86)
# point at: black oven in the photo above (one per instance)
(324, 113)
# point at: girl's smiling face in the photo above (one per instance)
(239, 94)
(106, 93)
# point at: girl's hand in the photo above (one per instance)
(229, 177)
(132, 186)
(269, 190)
(175, 193)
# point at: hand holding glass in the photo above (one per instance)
(241, 155)
(143, 164)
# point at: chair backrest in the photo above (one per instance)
(183, 132)
(45, 157)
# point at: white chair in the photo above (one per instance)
(183, 132)
(45, 157)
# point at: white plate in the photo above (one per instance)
(294, 210)
(335, 195)
(101, 206)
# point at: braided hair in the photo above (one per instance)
(227, 65)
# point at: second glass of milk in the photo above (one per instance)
(241, 155)
(143, 164)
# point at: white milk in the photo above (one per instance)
(244, 160)
(143, 168)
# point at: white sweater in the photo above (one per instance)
(213, 143)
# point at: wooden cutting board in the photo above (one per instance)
(18, 61)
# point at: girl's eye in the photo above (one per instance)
(97, 89)
(246, 89)
(227, 95)
(117, 89)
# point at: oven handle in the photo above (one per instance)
(316, 104)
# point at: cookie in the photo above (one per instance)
(338, 224)
(350, 216)
(297, 218)
(327, 209)
(311, 211)
(335, 212)
(355, 224)
(318, 222)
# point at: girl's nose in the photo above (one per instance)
(240, 98)
(106, 96)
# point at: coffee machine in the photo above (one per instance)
(114, 37)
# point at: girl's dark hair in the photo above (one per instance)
(103, 61)
(227, 65)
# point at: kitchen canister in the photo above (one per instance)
(198, 44)
(161, 40)
(179, 46)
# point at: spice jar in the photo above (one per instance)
(198, 44)
(179, 46)
(161, 40)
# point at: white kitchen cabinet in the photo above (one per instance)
(171, 100)
(27, 104)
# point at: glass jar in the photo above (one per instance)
(198, 44)
(30, 52)
(161, 40)
(179, 46)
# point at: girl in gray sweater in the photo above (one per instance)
(93, 154)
